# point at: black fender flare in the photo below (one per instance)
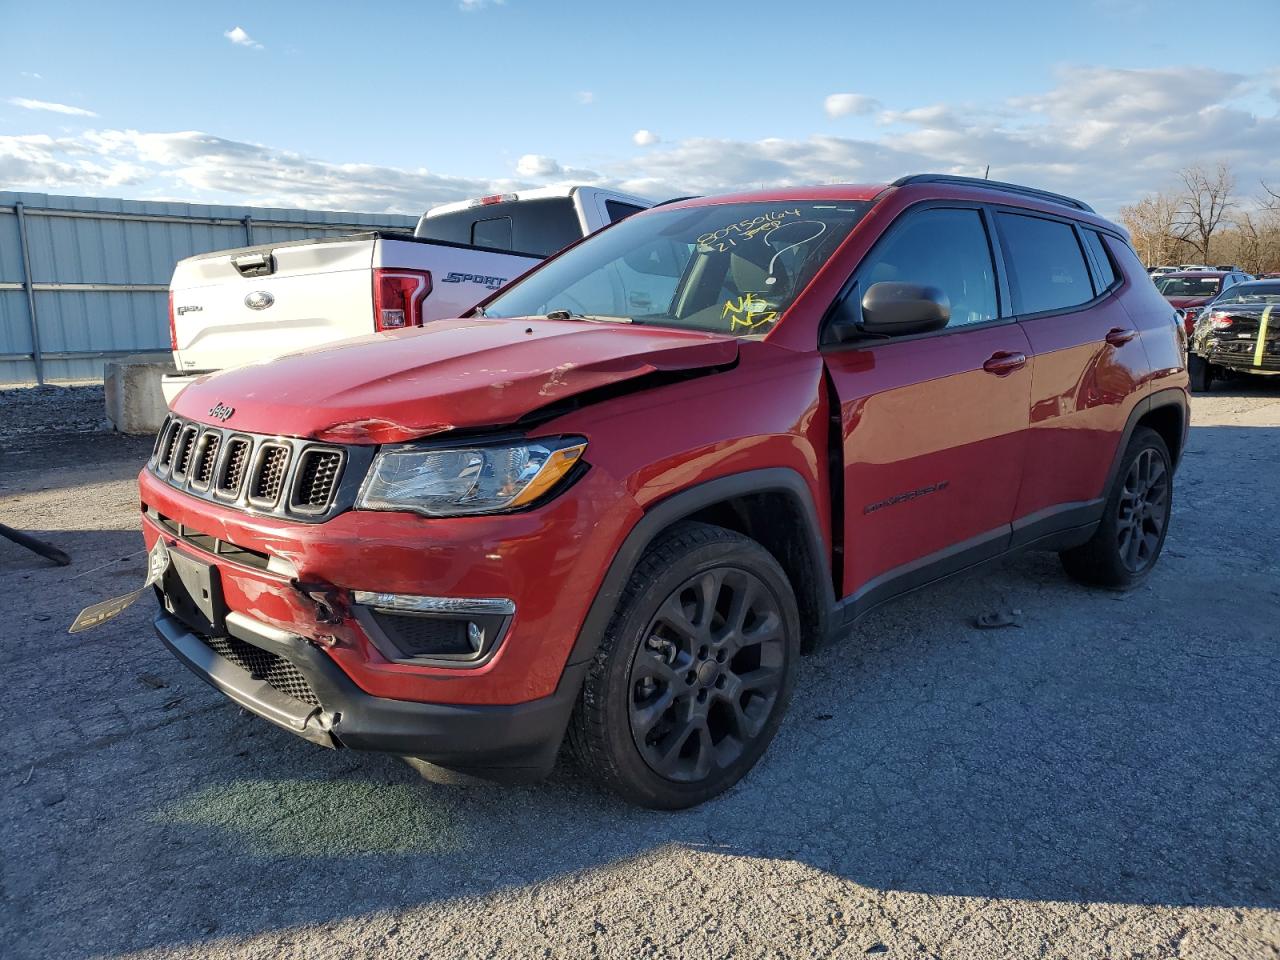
(1170, 397)
(683, 504)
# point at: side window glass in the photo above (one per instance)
(618, 210)
(1101, 259)
(494, 233)
(1046, 265)
(943, 248)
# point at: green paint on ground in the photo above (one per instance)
(319, 818)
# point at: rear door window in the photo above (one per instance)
(1046, 266)
(944, 248)
(494, 233)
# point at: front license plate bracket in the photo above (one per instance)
(193, 594)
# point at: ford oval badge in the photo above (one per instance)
(259, 300)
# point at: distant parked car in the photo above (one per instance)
(1190, 290)
(1239, 331)
(1161, 271)
(1193, 267)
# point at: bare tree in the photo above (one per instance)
(1272, 199)
(1205, 203)
(1245, 243)
(1152, 223)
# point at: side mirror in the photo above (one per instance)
(900, 309)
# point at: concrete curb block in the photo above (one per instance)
(135, 403)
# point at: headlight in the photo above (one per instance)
(485, 478)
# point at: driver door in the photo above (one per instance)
(933, 426)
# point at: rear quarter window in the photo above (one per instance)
(1047, 269)
(1105, 269)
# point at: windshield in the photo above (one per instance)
(1188, 286)
(729, 268)
(1251, 293)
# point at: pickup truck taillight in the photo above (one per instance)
(173, 331)
(398, 296)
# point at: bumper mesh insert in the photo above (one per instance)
(279, 673)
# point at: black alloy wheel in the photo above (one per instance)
(1143, 511)
(708, 674)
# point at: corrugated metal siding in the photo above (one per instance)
(134, 247)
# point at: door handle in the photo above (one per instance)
(1118, 336)
(1002, 362)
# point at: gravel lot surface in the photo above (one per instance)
(1101, 781)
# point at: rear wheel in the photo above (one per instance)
(1135, 521)
(1201, 373)
(694, 672)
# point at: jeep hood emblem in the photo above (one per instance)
(259, 300)
(221, 412)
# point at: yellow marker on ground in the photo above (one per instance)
(1261, 348)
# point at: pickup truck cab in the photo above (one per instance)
(616, 501)
(252, 304)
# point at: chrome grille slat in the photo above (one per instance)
(264, 474)
(317, 479)
(234, 465)
(182, 455)
(267, 480)
(206, 459)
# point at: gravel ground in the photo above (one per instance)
(1101, 781)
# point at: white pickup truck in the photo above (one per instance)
(235, 307)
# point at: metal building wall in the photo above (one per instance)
(95, 272)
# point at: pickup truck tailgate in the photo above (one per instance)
(239, 306)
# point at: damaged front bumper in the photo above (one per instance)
(287, 680)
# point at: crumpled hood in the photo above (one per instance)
(1183, 302)
(447, 375)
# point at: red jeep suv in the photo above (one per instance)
(614, 503)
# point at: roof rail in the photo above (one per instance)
(692, 196)
(995, 185)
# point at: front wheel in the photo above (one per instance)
(1135, 520)
(694, 672)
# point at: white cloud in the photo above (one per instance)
(62, 108)
(585, 97)
(469, 5)
(238, 36)
(199, 166)
(644, 138)
(536, 165)
(31, 76)
(845, 104)
(1104, 135)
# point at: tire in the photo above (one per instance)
(675, 707)
(1135, 521)
(1201, 373)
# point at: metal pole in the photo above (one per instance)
(31, 295)
(248, 230)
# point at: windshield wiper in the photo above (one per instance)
(571, 315)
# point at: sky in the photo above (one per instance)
(397, 106)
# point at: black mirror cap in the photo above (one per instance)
(900, 309)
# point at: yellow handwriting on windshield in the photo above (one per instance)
(748, 311)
